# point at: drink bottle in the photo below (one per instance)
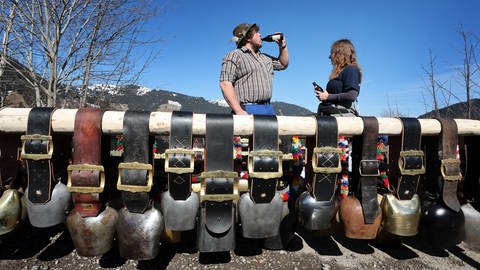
(273, 37)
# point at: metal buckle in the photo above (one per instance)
(219, 197)
(85, 189)
(326, 150)
(448, 162)
(37, 137)
(265, 153)
(402, 162)
(360, 168)
(135, 166)
(183, 151)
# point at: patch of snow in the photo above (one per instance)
(219, 102)
(109, 88)
(171, 102)
(143, 90)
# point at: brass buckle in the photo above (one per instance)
(447, 162)
(326, 150)
(219, 197)
(402, 162)
(360, 168)
(265, 153)
(85, 189)
(135, 166)
(183, 151)
(37, 137)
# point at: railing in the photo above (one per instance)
(15, 120)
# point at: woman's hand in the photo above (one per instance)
(321, 95)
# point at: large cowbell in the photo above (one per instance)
(52, 212)
(216, 232)
(179, 215)
(12, 210)
(92, 236)
(472, 228)
(315, 215)
(139, 233)
(471, 190)
(354, 225)
(260, 220)
(261, 208)
(440, 226)
(401, 217)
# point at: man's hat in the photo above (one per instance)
(240, 31)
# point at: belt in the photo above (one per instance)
(179, 158)
(87, 176)
(219, 187)
(264, 161)
(135, 173)
(406, 158)
(366, 168)
(449, 169)
(326, 159)
(9, 160)
(472, 170)
(256, 102)
(37, 151)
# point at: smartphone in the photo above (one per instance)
(318, 87)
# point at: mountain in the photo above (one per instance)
(458, 110)
(129, 97)
(138, 98)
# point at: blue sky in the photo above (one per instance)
(392, 39)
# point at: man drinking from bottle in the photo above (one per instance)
(246, 78)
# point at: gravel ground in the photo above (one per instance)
(49, 249)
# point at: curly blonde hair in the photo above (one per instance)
(343, 55)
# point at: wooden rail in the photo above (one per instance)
(15, 120)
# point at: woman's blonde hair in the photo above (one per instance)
(343, 55)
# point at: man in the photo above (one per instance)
(247, 74)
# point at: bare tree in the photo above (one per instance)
(468, 69)
(63, 44)
(431, 85)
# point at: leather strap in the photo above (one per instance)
(449, 164)
(218, 191)
(180, 182)
(85, 181)
(326, 159)
(9, 143)
(406, 158)
(265, 138)
(37, 150)
(135, 173)
(368, 168)
(471, 188)
(160, 177)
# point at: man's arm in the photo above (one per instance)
(283, 53)
(230, 97)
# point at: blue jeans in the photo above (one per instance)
(265, 109)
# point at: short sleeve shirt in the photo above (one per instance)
(251, 75)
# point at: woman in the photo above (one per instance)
(343, 86)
